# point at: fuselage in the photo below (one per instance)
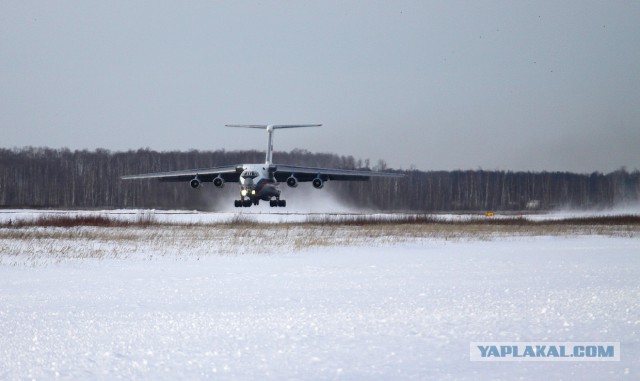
(257, 182)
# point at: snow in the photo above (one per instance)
(302, 211)
(377, 309)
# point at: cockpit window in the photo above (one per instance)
(249, 174)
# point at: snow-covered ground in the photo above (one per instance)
(377, 309)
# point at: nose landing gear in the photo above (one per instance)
(242, 203)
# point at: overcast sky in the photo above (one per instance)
(512, 85)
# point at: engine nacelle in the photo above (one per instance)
(195, 183)
(317, 183)
(218, 182)
(292, 182)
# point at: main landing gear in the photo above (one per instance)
(278, 202)
(247, 202)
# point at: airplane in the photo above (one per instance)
(260, 181)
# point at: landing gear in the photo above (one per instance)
(244, 203)
(278, 203)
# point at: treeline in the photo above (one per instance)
(60, 178)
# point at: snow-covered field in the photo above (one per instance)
(307, 303)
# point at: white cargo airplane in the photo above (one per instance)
(260, 181)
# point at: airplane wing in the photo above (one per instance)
(228, 174)
(283, 172)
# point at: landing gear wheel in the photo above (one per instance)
(282, 203)
(246, 203)
(273, 203)
(237, 203)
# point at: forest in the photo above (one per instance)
(61, 178)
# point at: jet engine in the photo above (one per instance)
(195, 183)
(317, 183)
(218, 182)
(292, 182)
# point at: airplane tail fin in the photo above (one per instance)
(270, 128)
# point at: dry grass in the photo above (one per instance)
(149, 220)
(55, 239)
(62, 221)
(428, 219)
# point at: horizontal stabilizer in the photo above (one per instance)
(274, 126)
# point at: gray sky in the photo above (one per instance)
(513, 85)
